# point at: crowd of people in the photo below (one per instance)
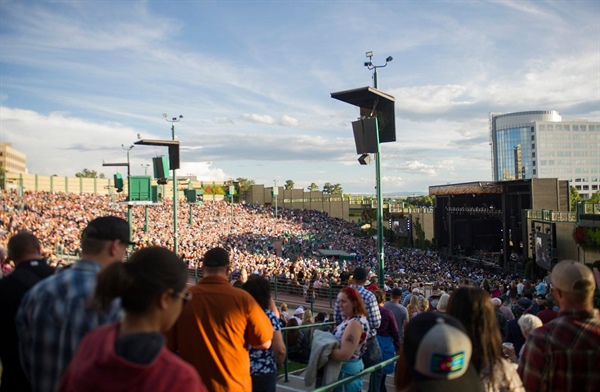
(69, 330)
(285, 246)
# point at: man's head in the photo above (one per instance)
(216, 262)
(436, 355)
(24, 246)
(496, 302)
(299, 312)
(573, 284)
(359, 276)
(105, 239)
(396, 295)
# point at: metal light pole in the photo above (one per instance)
(231, 192)
(129, 212)
(145, 166)
(275, 195)
(173, 120)
(380, 251)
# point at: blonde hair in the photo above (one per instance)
(423, 305)
(307, 317)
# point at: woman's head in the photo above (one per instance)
(283, 307)
(442, 304)
(423, 305)
(320, 317)
(380, 295)
(307, 317)
(473, 307)
(414, 301)
(259, 288)
(144, 281)
(351, 303)
(529, 322)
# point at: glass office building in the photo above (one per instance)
(540, 144)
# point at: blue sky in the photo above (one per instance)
(253, 81)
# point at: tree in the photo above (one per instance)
(87, 173)
(332, 189)
(243, 186)
(595, 199)
(574, 197)
(313, 187)
(289, 184)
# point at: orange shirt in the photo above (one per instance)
(214, 331)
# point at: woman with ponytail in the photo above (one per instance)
(131, 355)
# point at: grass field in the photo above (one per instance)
(292, 366)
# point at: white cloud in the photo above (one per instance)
(288, 121)
(258, 118)
(204, 171)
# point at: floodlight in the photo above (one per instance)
(389, 58)
(369, 54)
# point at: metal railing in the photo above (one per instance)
(373, 387)
(309, 296)
(284, 331)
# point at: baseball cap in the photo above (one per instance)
(299, 310)
(524, 303)
(216, 257)
(573, 277)
(107, 228)
(359, 274)
(496, 302)
(438, 352)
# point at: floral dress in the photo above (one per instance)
(263, 361)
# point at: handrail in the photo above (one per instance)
(284, 331)
(366, 371)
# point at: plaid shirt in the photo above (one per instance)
(53, 318)
(373, 316)
(564, 354)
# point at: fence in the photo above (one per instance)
(287, 287)
(373, 387)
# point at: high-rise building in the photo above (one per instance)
(11, 160)
(540, 144)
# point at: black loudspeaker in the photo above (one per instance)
(161, 167)
(365, 136)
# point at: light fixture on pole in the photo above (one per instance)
(145, 166)
(364, 159)
(376, 125)
(124, 164)
(129, 212)
(173, 120)
(369, 64)
(173, 146)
